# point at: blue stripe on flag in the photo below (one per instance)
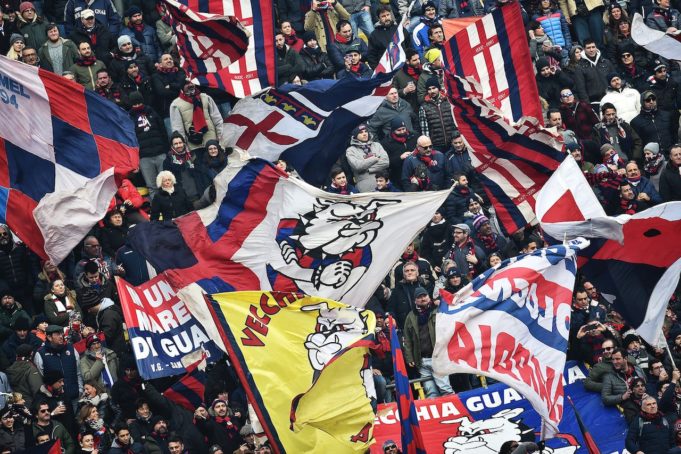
(68, 139)
(4, 198)
(28, 173)
(109, 121)
(232, 205)
(509, 67)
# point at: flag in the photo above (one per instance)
(634, 260)
(512, 324)
(206, 42)
(394, 56)
(188, 391)
(161, 330)
(269, 231)
(488, 50)
(412, 441)
(256, 70)
(303, 362)
(59, 140)
(591, 446)
(513, 162)
(51, 447)
(656, 41)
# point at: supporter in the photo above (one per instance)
(12, 435)
(421, 33)
(30, 56)
(86, 441)
(578, 116)
(92, 251)
(151, 136)
(10, 312)
(289, 63)
(653, 163)
(366, 157)
(316, 64)
(89, 30)
(49, 273)
(108, 319)
(360, 16)
(170, 200)
(617, 384)
(423, 170)
(7, 30)
(389, 446)
(656, 376)
(635, 351)
(33, 27)
(127, 390)
(642, 187)
(458, 201)
(23, 375)
(196, 116)
(339, 183)
(402, 297)
(18, 268)
(489, 241)
(633, 68)
(86, 67)
(125, 53)
(322, 19)
(57, 54)
(354, 66)
(290, 36)
(383, 183)
(407, 77)
(435, 238)
(542, 46)
(594, 382)
(451, 9)
(653, 124)
(586, 16)
(626, 100)
(134, 81)
(458, 160)
(663, 17)
(60, 303)
(419, 340)
(670, 178)
(20, 336)
(590, 78)
(344, 39)
(215, 160)
(392, 107)
(382, 35)
(107, 88)
(576, 151)
(180, 161)
(176, 445)
(144, 35)
(629, 204)
(44, 424)
(94, 394)
(468, 257)
(613, 16)
(433, 67)
(131, 206)
(99, 364)
(166, 83)
(90, 421)
(551, 82)
(399, 145)
(411, 255)
(220, 428)
(123, 443)
(16, 45)
(105, 14)
(618, 133)
(649, 431)
(436, 118)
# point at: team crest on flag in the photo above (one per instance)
(512, 323)
(303, 362)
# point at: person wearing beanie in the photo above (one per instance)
(23, 374)
(105, 13)
(366, 157)
(143, 34)
(16, 44)
(420, 34)
(577, 115)
(98, 363)
(392, 107)
(632, 60)
(316, 63)
(653, 163)
(127, 50)
(614, 131)
(7, 29)
(653, 124)
(627, 101)
(398, 144)
(490, 241)
(21, 335)
(10, 310)
(134, 81)
(31, 26)
(432, 66)
(550, 81)
(436, 118)
(354, 66)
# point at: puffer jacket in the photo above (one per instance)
(614, 386)
(626, 100)
(440, 120)
(663, 18)
(366, 159)
(379, 124)
(556, 27)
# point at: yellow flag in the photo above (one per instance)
(304, 363)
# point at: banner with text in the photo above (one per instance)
(480, 421)
(161, 329)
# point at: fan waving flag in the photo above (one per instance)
(488, 50)
(513, 162)
(269, 231)
(59, 140)
(412, 441)
(207, 42)
(667, 45)
(304, 364)
(512, 323)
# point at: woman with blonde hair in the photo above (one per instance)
(16, 45)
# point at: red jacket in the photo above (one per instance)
(127, 191)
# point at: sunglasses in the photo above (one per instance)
(425, 147)
(626, 55)
(608, 349)
(566, 95)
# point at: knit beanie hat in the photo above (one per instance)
(358, 129)
(397, 123)
(25, 6)
(432, 55)
(123, 39)
(433, 82)
(16, 37)
(653, 147)
(541, 63)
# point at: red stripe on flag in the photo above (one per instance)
(114, 154)
(73, 112)
(20, 219)
(4, 166)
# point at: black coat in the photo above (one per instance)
(402, 300)
(590, 81)
(670, 183)
(379, 40)
(550, 87)
(18, 271)
(118, 66)
(170, 205)
(289, 65)
(151, 132)
(7, 30)
(105, 41)
(656, 126)
(316, 64)
(394, 150)
(128, 86)
(113, 238)
(166, 87)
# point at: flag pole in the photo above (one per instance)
(669, 352)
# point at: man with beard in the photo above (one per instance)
(144, 35)
(45, 424)
(469, 258)
(399, 145)
(289, 63)
(221, 429)
(135, 81)
(18, 268)
(10, 312)
(107, 88)
(629, 204)
(86, 66)
(344, 39)
(157, 440)
(383, 35)
(436, 118)
(166, 83)
(617, 132)
(653, 124)
(627, 101)
(458, 160)
(488, 240)
(406, 79)
(419, 340)
(594, 382)
(95, 34)
(617, 384)
(392, 107)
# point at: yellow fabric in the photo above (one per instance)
(287, 343)
(432, 55)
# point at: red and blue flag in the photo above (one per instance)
(412, 441)
(189, 391)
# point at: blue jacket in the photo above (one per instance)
(646, 186)
(556, 27)
(64, 359)
(105, 14)
(435, 173)
(150, 46)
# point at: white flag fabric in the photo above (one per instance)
(655, 41)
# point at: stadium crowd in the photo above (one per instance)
(67, 368)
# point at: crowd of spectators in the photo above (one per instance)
(68, 371)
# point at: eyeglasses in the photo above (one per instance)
(608, 349)
(566, 95)
(44, 410)
(425, 147)
(626, 55)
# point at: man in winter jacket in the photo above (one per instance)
(433, 67)
(594, 382)
(322, 19)
(105, 13)
(166, 83)
(86, 66)
(469, 258)
(642, 187)
(220, 429)
(98, 36)
(664, 18)
(152, 138)
(23, 375)
(401, 301)
(670, 178)
(550, 81)
(124, 443)
(650, 431)
(424, 170)
(666, 89)
(32, 27)
(406, 79)
(18, 270)
(354, 66)
(344, 39)
(10, 312)
(421, 33)
(109, 320)
(196, 116)
(627, 101)
(55, 355)
(617, 384)
(382, 35)
(20, 336)
(67, 50)
(452, 9)
(653, 124)
(399, 145)
(316, 64)
(591, 73)
(142, 35)
(436, 118)
(614, 131)
(45, 424)
(392, 107)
